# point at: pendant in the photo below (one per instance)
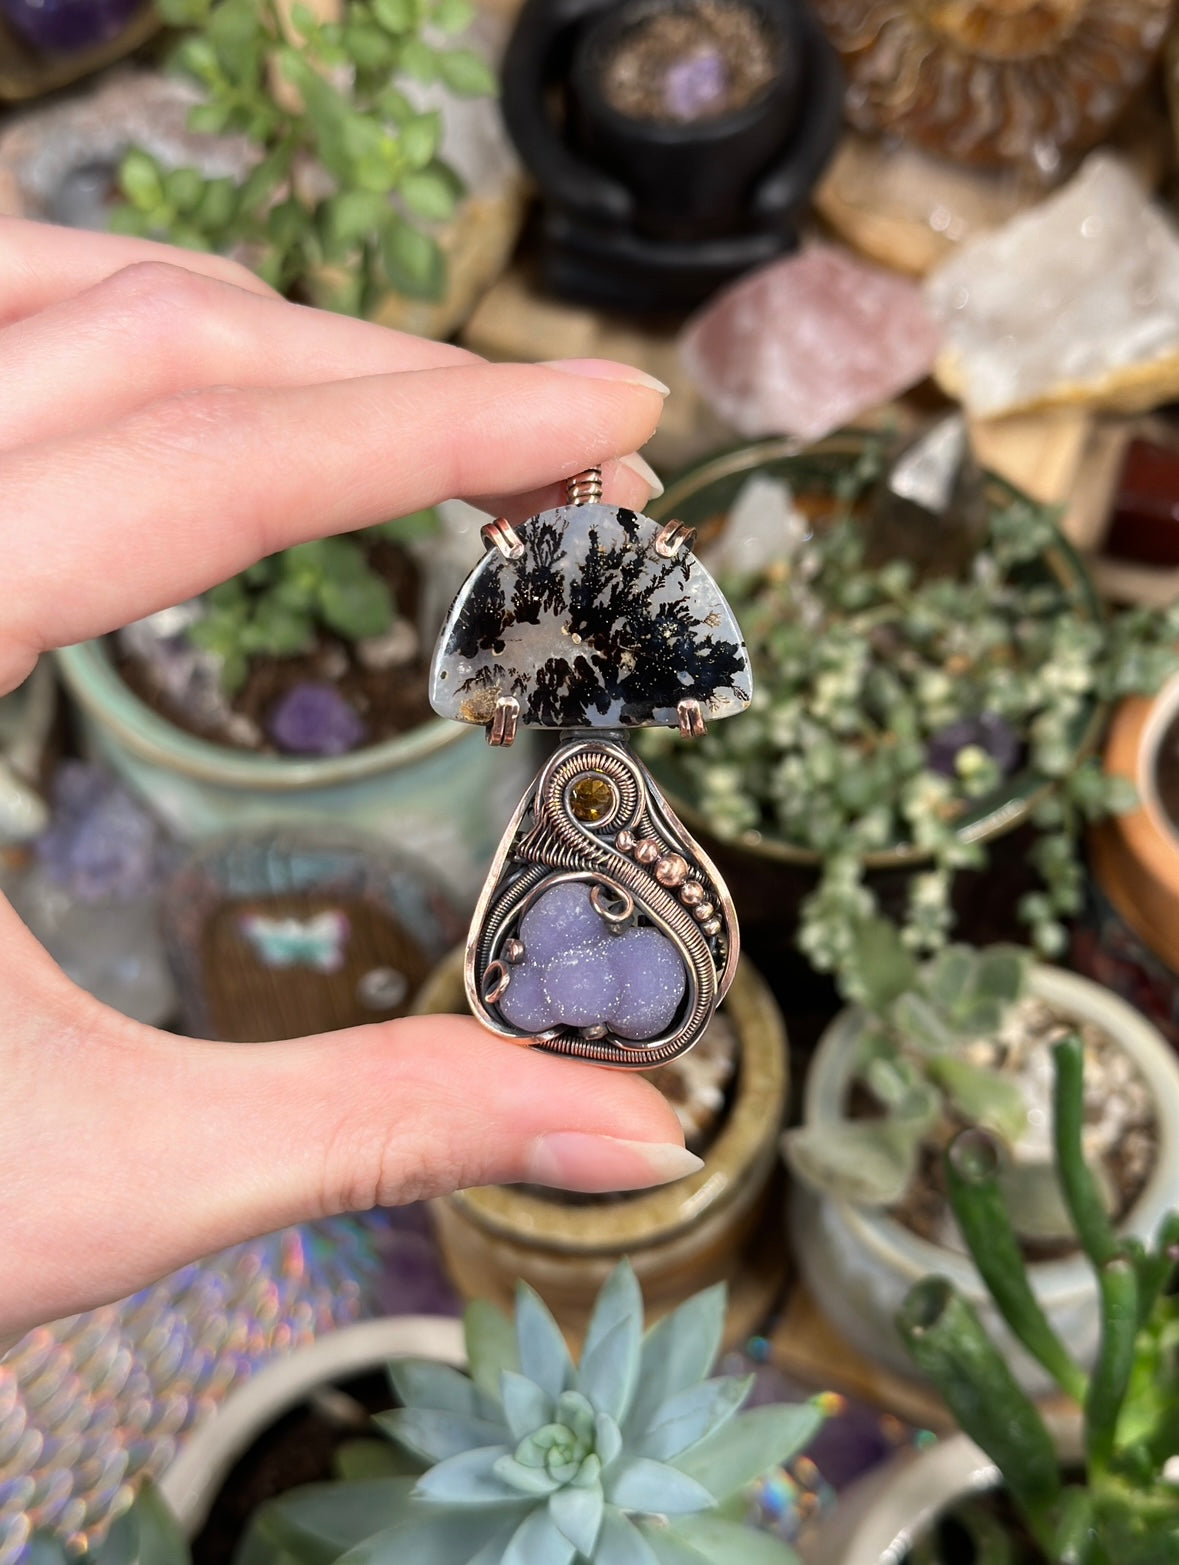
(603, 930)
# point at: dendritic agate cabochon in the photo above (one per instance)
(590, 628)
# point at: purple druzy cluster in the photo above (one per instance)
(576, 972)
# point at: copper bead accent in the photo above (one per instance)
(647, 851)
(671, 870)
(692, 893)
(625, 841)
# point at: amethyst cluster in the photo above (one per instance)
(577, 972)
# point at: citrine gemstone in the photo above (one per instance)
(593, 799)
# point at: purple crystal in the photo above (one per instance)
(68, 26)
(989, 733)
(696, 87)
(314, 719)
(577, 973)
(101, 843)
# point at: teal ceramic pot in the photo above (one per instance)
(439, 791)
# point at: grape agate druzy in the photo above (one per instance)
(590, 628)
(576, 972)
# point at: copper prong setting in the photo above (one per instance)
(692, 724)
(504, 722)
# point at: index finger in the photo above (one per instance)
(41, 264)
(114, 523)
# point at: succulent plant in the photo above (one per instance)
(916, 1027)
(629, 1457)
(1124, 1510)
(889, 706)
(347, 168)
(276, 607)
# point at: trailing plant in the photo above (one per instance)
(891, 710)
(915, 1031)
(1124, 1509)
(277, 607)
(347, 170)
(629, 1457)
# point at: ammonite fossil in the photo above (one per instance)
(994, 82)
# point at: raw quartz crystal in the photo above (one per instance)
(1076, 301)
(577, 973)
(805, 345)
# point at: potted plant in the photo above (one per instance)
(902, 720)
(965, 1042)
(1130, 940)
(730, 1092)
(674, 141)
(526, 1456)
(347, 176)
(298, 690)
(1107, 1493)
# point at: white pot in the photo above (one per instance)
(191, 1483)
(859, 1263)
(438, 791)
(882, 1516)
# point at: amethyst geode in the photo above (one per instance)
(576, 972)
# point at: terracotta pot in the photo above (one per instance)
(438, 789)
(190, 1484)
(882, 1516)
(680, 1237)
(1132, 939)
(859, 1262)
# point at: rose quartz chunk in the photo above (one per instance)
(805, 345)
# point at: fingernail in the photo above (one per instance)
(635, 464)
(573, 1160)
(608, 369)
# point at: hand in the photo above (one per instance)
(167, 420)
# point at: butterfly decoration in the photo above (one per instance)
(318, 943)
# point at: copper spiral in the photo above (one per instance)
(585, 488)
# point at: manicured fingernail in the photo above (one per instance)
(635, 464)
(573, 1160)
(608, 369)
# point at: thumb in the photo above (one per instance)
(134, 1151)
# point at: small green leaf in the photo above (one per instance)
(426, 1383)
(609, 1365)
(657, 1489)
(370, 47)
(684, 1420)
(218, 204)
(183, 13)
(885, 967)
(357, 609)
(725, 1543)
(467, 1479)
(419, 60)
(429, 195)
(982, 1096)
(538, 1542)
(396, 16)
(491, 1346)
(208, 119)
(666, 1548)
(413, 261)
(866, 1162)
(428, 1534)
(359, 1459)
(921, 1026)
(543, 1356)
(467, 73)
(453, 16)
(353, 216)
(1002, 973)
(948, 977)
(140, 180)
(436, 1435)
(577, 1516)
(526, 1406)
(677, 1353)
(184, 188)
(749, 1445)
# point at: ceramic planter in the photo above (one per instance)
(880, 1518)
(680, 1237)
(860, 1263)
(438, 790)
(655, 211)
(768, 876)
(1131, 941)
(191, 1483)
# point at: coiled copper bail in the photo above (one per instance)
(585, 488)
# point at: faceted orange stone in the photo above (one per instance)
(592, 799)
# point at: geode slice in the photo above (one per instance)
(590, 628)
